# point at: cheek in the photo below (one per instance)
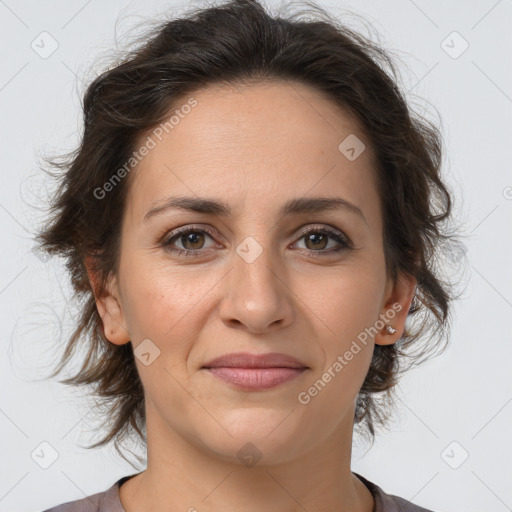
(160, 303)
(348, 305)
(346, 302)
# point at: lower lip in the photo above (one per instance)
(256, 378)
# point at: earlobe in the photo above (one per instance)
(396, 309)
(109, 307)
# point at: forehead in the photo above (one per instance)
(255, 142)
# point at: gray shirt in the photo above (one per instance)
(108, 501)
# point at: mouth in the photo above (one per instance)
(253, 372)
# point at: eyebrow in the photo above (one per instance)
(296, 206)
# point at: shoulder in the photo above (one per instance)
(104, 501)
(385, 502)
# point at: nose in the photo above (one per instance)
(256, 296)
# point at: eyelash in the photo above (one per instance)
(326, 230)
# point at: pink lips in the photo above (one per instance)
(255, 371)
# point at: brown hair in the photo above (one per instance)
(234, 43)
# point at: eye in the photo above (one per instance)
(317, 240)
(191, 238)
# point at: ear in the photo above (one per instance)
(396, 307)
(109, 306)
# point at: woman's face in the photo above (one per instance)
(257, 279)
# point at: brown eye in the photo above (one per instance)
(192, 240)
(317, 241)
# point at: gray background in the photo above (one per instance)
(455, 406)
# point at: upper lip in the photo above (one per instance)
(247, 360)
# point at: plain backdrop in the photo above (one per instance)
(449, 447)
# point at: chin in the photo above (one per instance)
(258, 437)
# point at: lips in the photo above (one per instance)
(246, 360)
(253, 372)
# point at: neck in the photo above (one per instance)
(185, 476)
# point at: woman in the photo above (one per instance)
(252, 216)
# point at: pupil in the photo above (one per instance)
(192, 238)
(314, 236)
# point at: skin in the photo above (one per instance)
(254, 147)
